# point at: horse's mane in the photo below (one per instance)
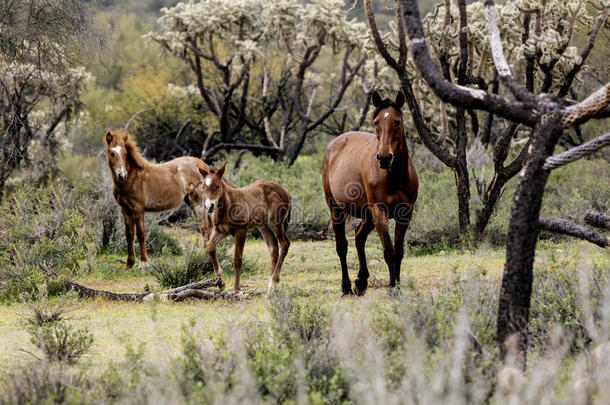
(134, 155)
(385, 104)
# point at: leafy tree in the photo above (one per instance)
(39, 88)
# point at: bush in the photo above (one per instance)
(193, 266)
(44, 231)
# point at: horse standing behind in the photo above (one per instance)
(140, 187)
(371, 176)
(233, 210)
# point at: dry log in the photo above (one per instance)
(598, 220)
(195, 290)
(564, 226)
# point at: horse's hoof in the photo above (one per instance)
(129, 265)
(359, 290)
(142, 265)
(347, 294)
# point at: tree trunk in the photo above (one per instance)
(515, 294)
(463, 195)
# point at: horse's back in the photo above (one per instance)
(345, 160)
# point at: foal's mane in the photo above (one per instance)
(134, 155)
(385, 104)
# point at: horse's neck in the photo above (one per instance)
(402, 163)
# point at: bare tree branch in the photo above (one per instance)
(559, 225)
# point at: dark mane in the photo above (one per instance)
(385, 104)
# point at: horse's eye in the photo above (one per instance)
(111, 154)
(217, 187)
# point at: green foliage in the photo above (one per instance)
(44, 232)
(193, 266)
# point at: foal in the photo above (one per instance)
(140, 187)
(371, 176)
(233, 210)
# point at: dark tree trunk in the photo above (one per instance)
(515, 294)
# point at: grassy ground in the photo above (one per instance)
(311, 267)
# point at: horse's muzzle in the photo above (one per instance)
(121, 177)
(385, 161)
(211, 208)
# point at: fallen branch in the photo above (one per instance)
(564, 226)
(196, 290)
(598, 220)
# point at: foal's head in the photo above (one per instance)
(122, 154)
(389, 128)
(212, 187)
(117, 154)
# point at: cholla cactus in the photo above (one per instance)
(248, 54)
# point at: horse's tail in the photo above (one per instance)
(287, 219)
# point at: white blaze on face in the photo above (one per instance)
(208, 181)
(386, 115)
(120, 171)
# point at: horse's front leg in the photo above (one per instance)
(215, 238)
(240, 240)
(129, 234)
(141, 233)
(400, 230)
(381, 218)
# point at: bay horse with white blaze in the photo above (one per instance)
(371, 177)
(233, 211)
(140, 187)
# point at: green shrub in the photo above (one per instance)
(193, 266)
(44, 233)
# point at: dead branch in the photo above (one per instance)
(598, 220)
(195, 290)
(559, 225)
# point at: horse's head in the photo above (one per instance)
(389, 128)
(212, 186)
(116, 151)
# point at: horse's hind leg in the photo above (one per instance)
(129, 234)
(337, 217)
(366, 227)
(284, 245)
(272, 245)
(380, 216)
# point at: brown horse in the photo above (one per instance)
(140, 187)
(233, 210)
(371, 176)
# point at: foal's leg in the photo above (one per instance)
(272, 245)
(337, 216)
(240, 240)
(365, 228)
(215, 238)
(129, 234)
(284, 245)
(141, 233)
(381, 225)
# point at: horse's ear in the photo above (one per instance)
(376, 99)
(221, 171)
(400, 100)
(125, 136)
(109, 137)
(203, 172)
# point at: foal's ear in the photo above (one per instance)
(108, 137)
(376, 99)
(221, 171)
(400, 99)
(202, 172)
